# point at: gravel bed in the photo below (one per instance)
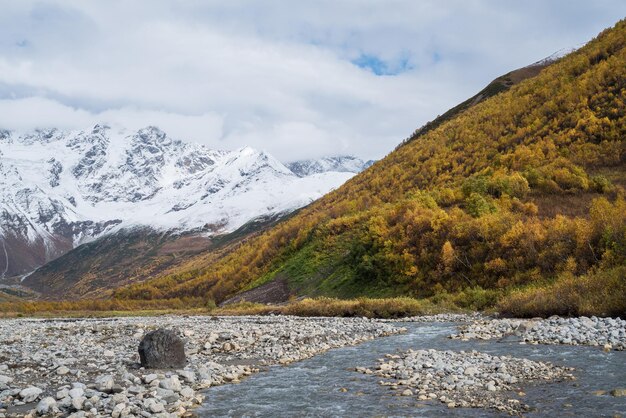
(464, 379)
(609, 333)
(90, 367)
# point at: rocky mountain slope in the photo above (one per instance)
(59, 189)
(522, 187)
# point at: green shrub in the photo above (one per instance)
(478, 205)
(600, 184)
(210, 305)
(476, 298)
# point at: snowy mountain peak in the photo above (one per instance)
(59, 189)
(340, 164)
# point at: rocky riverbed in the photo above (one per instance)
(609, 333)
(464, 379)
(90, 367)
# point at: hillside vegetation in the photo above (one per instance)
(523, 191)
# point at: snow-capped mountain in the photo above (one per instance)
(340, 164)
(60, 189)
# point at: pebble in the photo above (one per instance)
(46, 405)
(30, 394)
(171, 383)
(105, 383)
(149, 378)
(5, 380)
(76, 393)
(63, 370)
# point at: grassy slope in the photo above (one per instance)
(508, 193)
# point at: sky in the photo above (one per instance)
(298, 79)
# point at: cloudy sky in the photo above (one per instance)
(299, 79)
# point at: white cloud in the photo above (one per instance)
(276, 75)
(24, 114)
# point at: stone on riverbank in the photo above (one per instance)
(30, 394)
(46, 405)
(162, 349)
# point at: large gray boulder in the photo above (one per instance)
(162, 349)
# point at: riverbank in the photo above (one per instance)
(86, 367)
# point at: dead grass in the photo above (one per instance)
(99, 307)
(361, 307)
(601, 294)
(101, 314)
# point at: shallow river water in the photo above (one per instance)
(312, 387)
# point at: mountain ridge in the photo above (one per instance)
(61, 189)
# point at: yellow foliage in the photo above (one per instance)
(463, 195)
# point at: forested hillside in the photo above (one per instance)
(524, 190)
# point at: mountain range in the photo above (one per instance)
(61, 189)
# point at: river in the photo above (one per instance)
(313, 387)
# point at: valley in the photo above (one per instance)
(477, 269)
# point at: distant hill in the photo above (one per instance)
(517, 187)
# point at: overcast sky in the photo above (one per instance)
(299, 79)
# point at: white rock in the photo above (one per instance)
(118, 398)
(63, 370)
(171, 383)
(470, 371)
(105, 383)
(187, 375)
(78, 402)
(117, 411)
(63, 393)
(187, 392)
(154, 406)
(65, 402)
(149, 378)
(76, 393)
(30, 394)
(45, 405)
